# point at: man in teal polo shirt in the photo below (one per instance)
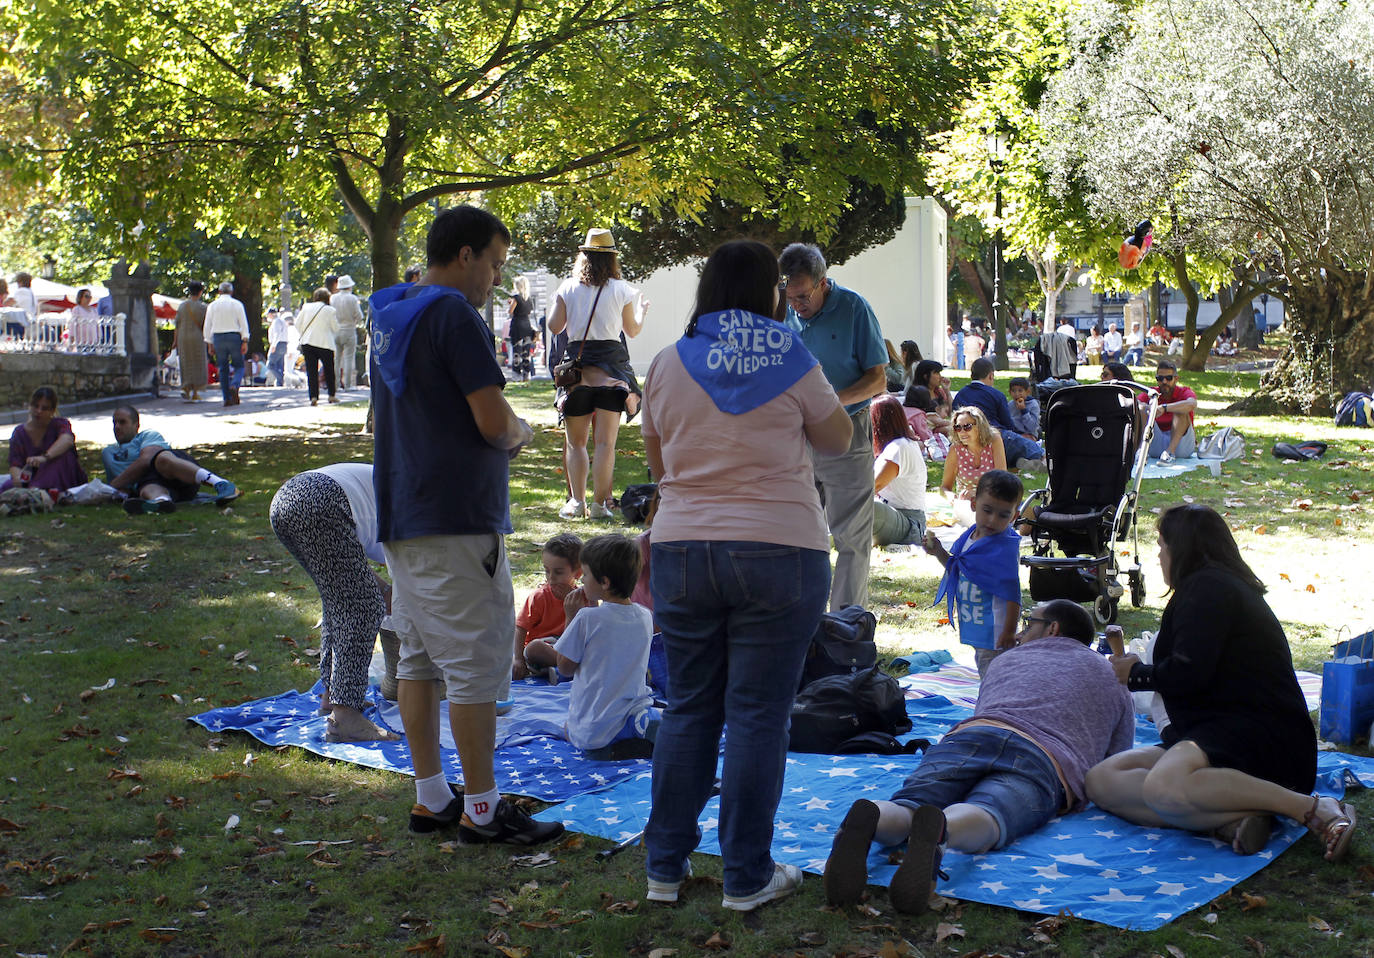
(839, 328)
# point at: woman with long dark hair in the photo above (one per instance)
(740, 569)
(596, 307)
(899, 476)
(43, 447)
(1238, 746)
(930, 374)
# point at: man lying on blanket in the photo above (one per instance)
(1048, 710)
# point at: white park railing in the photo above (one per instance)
(60, 333)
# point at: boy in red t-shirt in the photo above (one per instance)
(542, 616)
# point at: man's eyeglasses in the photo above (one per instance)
(802, 299)
(1164, 379)
(1027, 619)
(963, 426)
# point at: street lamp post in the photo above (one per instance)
(997, 149)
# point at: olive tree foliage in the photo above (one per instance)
(1246, 128)
(214, 113)
(1054, 234)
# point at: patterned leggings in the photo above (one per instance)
(311, 516)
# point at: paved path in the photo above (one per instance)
(264, 411)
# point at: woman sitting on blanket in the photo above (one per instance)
(899, 476)
(1239, 746)
(977, 448)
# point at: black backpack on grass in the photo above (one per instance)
(851, 713)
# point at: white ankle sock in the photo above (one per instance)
(481, 809)
(433, 792)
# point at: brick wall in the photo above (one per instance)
(75, 378)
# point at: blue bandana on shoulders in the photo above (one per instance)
(393, 324)
(742, 359)
(989, 561)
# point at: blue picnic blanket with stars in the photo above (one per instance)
(528, 760)
(1091, 863)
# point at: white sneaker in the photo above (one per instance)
(598, 510)
(573, 509)
(667, 890)
(786, 879)
(1166, 456)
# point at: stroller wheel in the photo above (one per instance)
(1104, 610)
(1137, 588)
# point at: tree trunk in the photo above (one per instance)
(248, 291)
(1332, 328)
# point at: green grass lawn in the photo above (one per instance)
(114, 810)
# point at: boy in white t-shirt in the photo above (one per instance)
(605, 648)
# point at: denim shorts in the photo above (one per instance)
(995, 769)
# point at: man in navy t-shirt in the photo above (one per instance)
(1022, 453)
(444, 437)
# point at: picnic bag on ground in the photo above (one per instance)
(1355, 409)
(843, 644)
(1299, 451)
(1224, 444)
(831, 713)
(1348, 691)
(635, 502)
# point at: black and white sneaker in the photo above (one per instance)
(511, 826)
(423, 821)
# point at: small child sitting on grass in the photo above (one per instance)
(543, 616)
(606, 649)
(1025, 408)
(982, 575)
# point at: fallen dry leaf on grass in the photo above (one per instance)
(662, 953)
(534, 861)
(717, 942)
(514, 951)
(1255, 945)
(1174, 950)
(438, 945)
(946, 930)
(498, 906)
(1253, 901)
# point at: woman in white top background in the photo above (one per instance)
(596, 307)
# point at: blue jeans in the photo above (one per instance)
(999, 771)
(229, 359)
(737, 619)
(276, 364)
(1019, 447)
(1138, 352)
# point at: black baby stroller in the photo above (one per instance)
(1096, 441)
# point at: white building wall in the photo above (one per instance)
(904, 280)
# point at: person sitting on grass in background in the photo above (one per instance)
(153, 475)
(982, 392)
(1025, 408)
(605, 648)
(1047, 713)
(1173, 436)
(982, 577)
(543, 616)
(977, 448)
(899, 476)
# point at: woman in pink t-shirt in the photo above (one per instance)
(977, 448)
(741, 566)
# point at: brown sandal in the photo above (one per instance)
(1336, 832)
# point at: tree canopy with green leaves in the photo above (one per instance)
(210, 113)
(1247, 128)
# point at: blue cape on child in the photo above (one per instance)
(989, 562)
(742, 359)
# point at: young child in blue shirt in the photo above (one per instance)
(605, 649)
(982, 578)
(1025, 408)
